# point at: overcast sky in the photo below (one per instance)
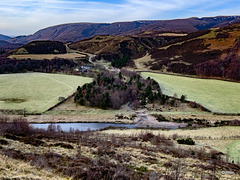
(19, 17)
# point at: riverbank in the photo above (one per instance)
(140, 118)
(69, 119)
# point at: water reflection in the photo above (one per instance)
(83, 126)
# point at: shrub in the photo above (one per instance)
(13, 137)
(33, 141)
(174, 136)
(64, 145)
(187, 141)
(3, 142)
(141, 169)
(160, 117)
(17, 127)
(147, 136)
(223, 35)
(161, 140)
(183, 98)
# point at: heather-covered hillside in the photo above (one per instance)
(113, 47)
(211, 53)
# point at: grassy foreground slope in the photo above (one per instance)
(217, 96)
(17, 169)
(224, 139)
(36, 92)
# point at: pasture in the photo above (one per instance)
(36, 92)
(215, 95)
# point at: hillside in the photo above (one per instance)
(6, 46)
(77, 31)
(208, 53)
(41, 47)
(113, 47)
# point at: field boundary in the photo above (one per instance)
(51, 108)
(191, 76)
(71, 88)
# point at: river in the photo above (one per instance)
(97, 126)
(84, 126)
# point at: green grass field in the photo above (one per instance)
(234, 150)
(215, 95)
(36, 92)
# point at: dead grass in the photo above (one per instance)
(16, 169)
(220, 44)
(211, 34)
(224, 139)
(197, 115)
(141, 155)
(173, 34)
(140, 63)
(71, 112)
(225, 132)
(101, 118)
(47, 56)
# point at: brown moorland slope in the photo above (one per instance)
(113, 47)
(211, 53)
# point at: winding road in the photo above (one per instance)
(107, 66)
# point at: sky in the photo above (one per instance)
(24, 17)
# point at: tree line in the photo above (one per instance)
(19, 66)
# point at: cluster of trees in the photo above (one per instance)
(44, 47)
(119, 63)
(19, 66)
(112, 90)
(228, 68)
(2, 51)
(187, 141)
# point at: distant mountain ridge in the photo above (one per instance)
(4, 37)
(73, 32)
(7, 46)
